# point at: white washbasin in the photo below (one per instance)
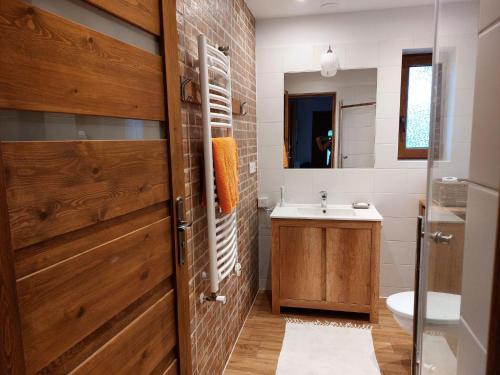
(331, 212)
(319, 211)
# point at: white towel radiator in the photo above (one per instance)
(215, 82)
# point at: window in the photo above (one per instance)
(415, 106)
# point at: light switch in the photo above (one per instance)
(252, 166)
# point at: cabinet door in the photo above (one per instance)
(348, 274)
(301, 263)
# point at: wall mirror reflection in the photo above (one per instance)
(329, 122)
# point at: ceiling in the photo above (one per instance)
(291, 8)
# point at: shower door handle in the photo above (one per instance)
(440, 237)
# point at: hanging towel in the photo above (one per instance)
(285, 157)
(226, 173)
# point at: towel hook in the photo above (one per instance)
(224, 50)
(184, 83)
(243, 108)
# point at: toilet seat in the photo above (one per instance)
(442, 308)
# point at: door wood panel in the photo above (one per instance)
(62, 304)
(142, 13)
(138, 348)
(348, 258)
(11, 342)
(65, 67)
(301, 263)
(84, 183)
(44, 254)
(85, 348)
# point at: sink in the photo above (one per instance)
(319, 211)
(331, 212)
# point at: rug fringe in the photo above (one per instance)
(329, 323)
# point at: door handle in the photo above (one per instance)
(182, 226)
(440, 237)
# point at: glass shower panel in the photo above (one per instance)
(440, 286)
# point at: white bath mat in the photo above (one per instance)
(327, 349)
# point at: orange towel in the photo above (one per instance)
(226, 172)
(285, 157)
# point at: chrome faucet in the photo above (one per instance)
(324, 196)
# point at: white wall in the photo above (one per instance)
(361, 40)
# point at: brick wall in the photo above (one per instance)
(214, 327)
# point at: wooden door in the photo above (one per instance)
(301, 263)
(91, 279)
(348, 258)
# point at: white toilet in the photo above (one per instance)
(443, 310)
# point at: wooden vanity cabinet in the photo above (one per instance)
(331, 265)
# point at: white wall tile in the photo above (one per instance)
(462, 128)
(269, 60)
(390, 180)
(387, 130)
(464, 101)
(417, 181)
(298, 180)
(300, 58)
(399, 229)
(389, 79)
(268, 133)
(386, 155)
(361, 55)
(270, 110)
(396, 204)
(270, 180)
(269, 85)
(398, 252)
(265, 256)
(295, 196)
(270, 157)
(391, 51)
(392, 275)
(386, 291)
(327, 180)
(356, 181)
(387, 104)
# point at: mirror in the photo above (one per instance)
(330, 122)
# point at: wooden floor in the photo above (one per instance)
(259, 344)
